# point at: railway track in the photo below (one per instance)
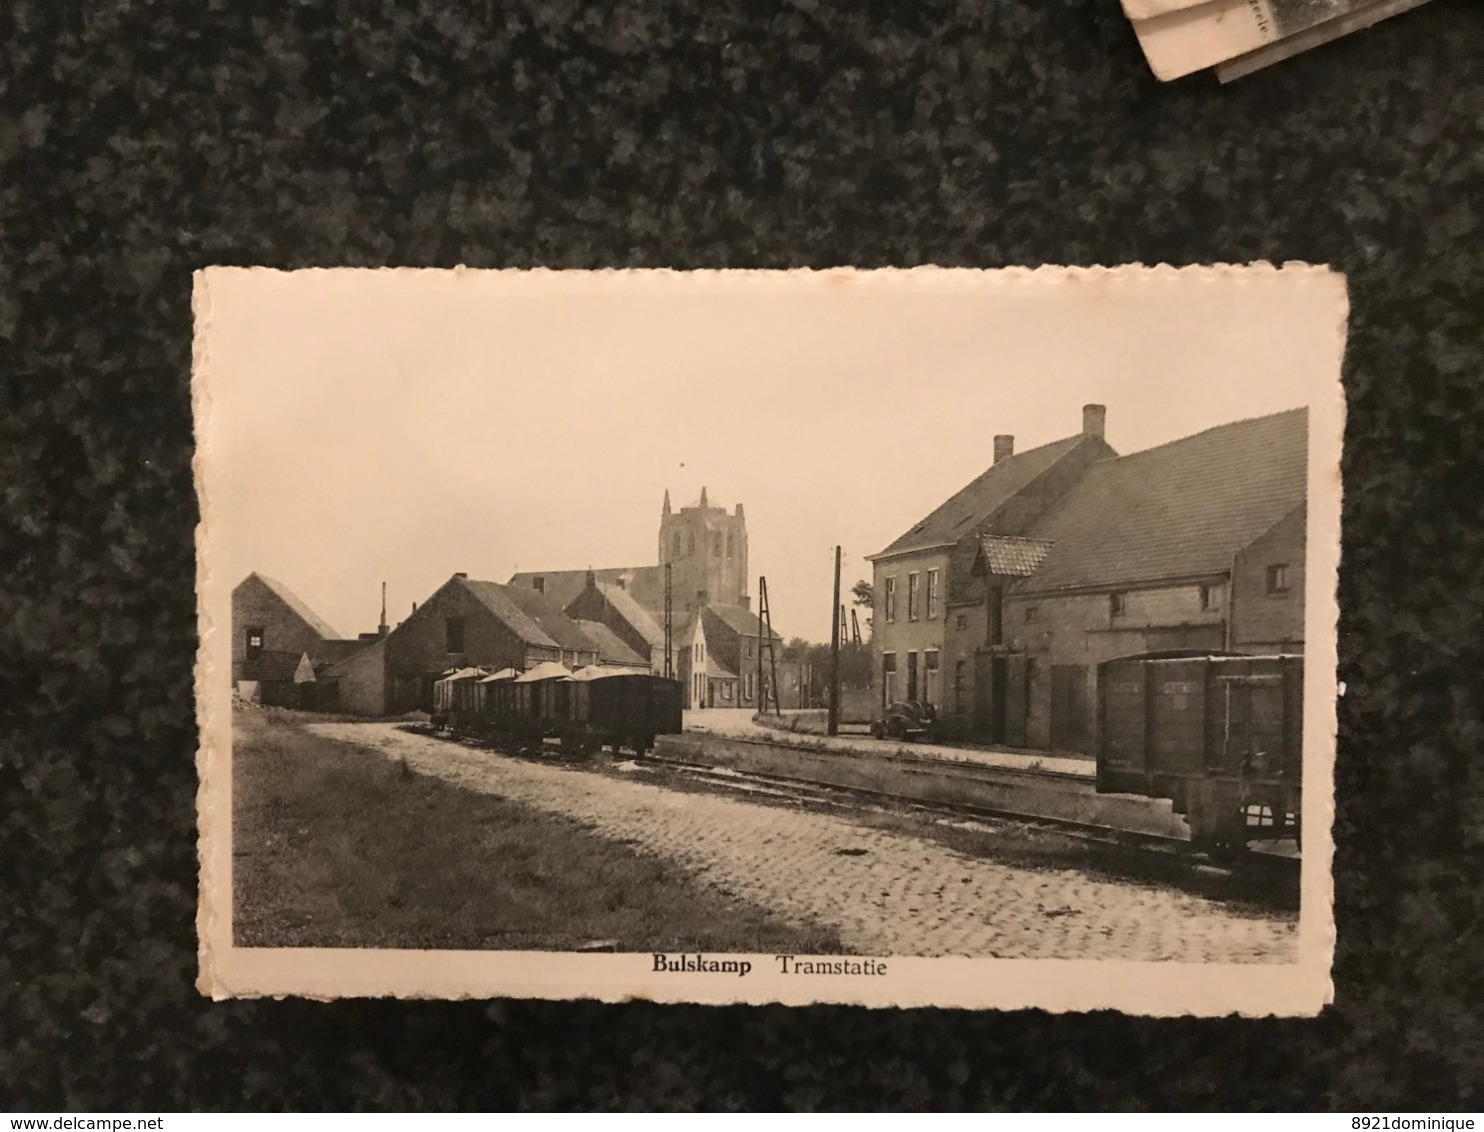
(806, 789)
(803, 790)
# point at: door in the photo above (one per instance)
(1069, 707)
(911, 676)
(1017, 681)
(999, 679)
(981, 693)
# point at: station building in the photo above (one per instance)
(1069, 555)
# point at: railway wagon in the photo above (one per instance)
(1220, 735)
(456, 698)
(528, 706)
(622, 709)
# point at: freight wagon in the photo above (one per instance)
(583, 711)
(1220, 735)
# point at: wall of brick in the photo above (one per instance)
(1264, 622)
(254, 604)
(419, 645)
(902, 634)
(1080, 629)
(361, 681)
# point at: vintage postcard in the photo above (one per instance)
(932, 637)
(1183, 41)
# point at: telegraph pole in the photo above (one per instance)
(669, 646)
(834, 717)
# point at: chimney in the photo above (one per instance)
(592, 580)
(1093, 417)
(381, 629)
(1004, 447)
(460, 574)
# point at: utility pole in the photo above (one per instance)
(834, 717)
(669, 646)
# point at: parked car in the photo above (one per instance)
(909, 719)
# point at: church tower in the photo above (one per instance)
(706, 549)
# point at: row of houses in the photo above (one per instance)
(999, 605)
(284, 653)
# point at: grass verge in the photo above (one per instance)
(335, 846)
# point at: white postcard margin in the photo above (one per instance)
(1298, 989)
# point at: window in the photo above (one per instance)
(695, 654)
(960, 682)
(1278, 578)
(726, 691)
(749, 648)
(675, 546)
(1213, 596)
(996, 611)
(963, 620)
(930, 676)
(912, 596)
(254, 640)
(1117, 604)
(932, 594)
(716, 545)
(453, 634)
(1030, 612)
(888, 677)
(891, 599)
(690, 543)
(729, 544)
(539, 584)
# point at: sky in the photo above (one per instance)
(360, 427)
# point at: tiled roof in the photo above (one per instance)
(741, 621)
(645, 583)
(610, 646)
(635, 614)
(1179, 510)
(554, 623)
(531, 616)
(291, 599)
(1011, 556)
(985, 495)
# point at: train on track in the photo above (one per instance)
(584, 711)
(1220, 735)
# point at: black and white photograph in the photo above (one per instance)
(961, 638)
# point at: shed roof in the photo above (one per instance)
(1012, 556)
(1179, 510)
(983, 496)
(279, 666)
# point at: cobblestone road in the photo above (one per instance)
(887, 894)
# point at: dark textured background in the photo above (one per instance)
(141, 141)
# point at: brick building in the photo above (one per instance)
(271, 629)
(467, 623)
(931, 592)
(1196, 544)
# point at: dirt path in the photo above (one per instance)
(887, 894)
